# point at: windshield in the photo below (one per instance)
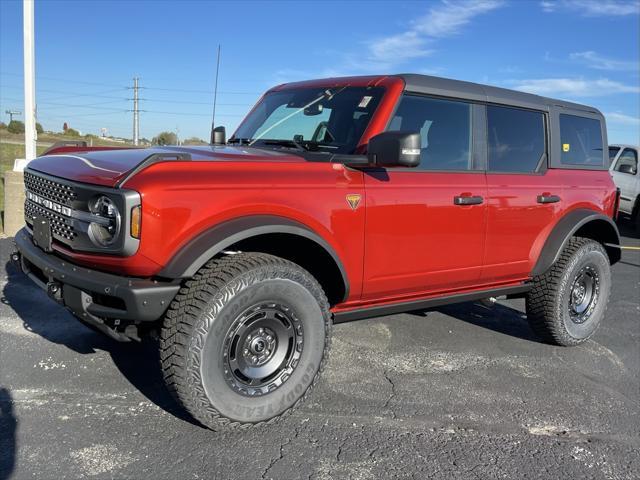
(320, 119)
(613, 151)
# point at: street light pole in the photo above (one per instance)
(30, 134)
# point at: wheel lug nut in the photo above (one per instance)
(255, 359)
(246, 352)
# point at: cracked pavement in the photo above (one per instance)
(463, 392)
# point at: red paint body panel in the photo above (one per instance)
(416, 239)
(406, 240)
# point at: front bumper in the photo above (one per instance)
(91, 295)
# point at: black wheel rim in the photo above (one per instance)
(585, 291)
(262, 348)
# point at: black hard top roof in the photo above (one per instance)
(474, 91)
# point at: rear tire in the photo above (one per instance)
(568, 302)
(245, 340)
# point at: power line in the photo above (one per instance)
(66, 80)
(194, 114)
(226, 92)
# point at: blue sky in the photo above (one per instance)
(88, 52)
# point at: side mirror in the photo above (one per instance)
(218, 136)
(395, 149)
(627, 168)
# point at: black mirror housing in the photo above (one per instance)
(219, 136)
(395, 149)
(626, 168)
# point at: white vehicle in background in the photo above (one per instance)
(624, 170)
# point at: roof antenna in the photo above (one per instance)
(217, 134)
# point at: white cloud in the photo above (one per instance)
(444, 19)
(622, 119)
(599, 62)
(449, 17)
(594, 8)
(574, 87)
(397, 48)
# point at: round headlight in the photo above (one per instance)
(105, 230)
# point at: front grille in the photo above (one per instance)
(61, 227)
(65, 204)
(57, 192)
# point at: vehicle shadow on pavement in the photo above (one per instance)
(627, 229)
(497, 318)
(8, 428)
(138, 362)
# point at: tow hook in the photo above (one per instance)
(15, 257)
(54, 290)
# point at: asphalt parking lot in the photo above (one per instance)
(460, 392)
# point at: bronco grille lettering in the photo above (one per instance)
(56, 207)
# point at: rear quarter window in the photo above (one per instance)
(580, 141)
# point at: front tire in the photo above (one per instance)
(245, 340)
(568, 302)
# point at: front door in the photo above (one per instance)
(425, 226)
(625, 176)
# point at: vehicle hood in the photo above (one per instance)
(111, 168)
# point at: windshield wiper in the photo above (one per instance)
(239, 141)
(285, 143)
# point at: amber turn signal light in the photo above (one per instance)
(136, 221)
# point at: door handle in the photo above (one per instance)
(468, 200)
(548, 198)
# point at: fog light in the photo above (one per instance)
(136, 221)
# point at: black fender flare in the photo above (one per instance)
(567, 226)
(195, 253)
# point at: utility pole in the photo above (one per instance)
(136, 113)
(30, 134)
(11, 113)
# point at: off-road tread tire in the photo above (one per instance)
(214, 285)
(541, 299)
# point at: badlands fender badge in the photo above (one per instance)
(353, 199)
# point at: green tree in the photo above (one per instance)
(165, 138)
(15, 126)
(39, 128)
(194, 141)
(3, 126)
(71, 132)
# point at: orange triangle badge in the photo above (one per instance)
(353, 199)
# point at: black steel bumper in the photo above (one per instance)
(92, 295)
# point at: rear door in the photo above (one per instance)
(625, 176)
(523, 196)
(425, 225)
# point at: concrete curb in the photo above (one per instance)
(13, 202)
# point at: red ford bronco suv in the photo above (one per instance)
(334, 200)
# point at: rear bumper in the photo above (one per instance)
(93, 295)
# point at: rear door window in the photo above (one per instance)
(580, 141)
(516, 139)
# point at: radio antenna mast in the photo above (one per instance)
(215, 95)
